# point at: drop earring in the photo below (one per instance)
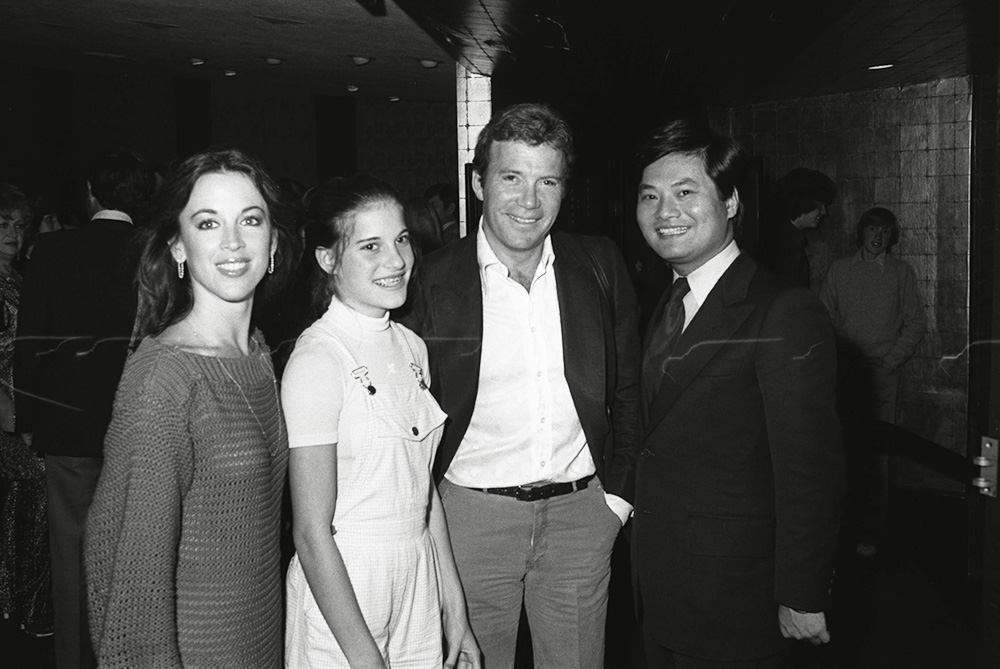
(180, 269)
(270, 267)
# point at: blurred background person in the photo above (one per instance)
(424, 226)
(25, 588)
(803, 196)
(444, 198)
(182, 538)
(77, 311)
(878, 315)
(373, 582)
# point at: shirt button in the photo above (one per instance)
(415, 431)
(539, 375)
(543, 463)
(543, 420)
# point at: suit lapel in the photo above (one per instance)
(723, 312)
(581, 321)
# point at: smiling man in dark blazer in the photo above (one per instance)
(739, 477)
(534, 353)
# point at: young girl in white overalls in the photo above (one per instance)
(373, 582)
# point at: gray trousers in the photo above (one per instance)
(554, 555)
(70, 484)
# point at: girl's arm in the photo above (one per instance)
(462, 649)
(313, 480)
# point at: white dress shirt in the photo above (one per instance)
(113, 215)
(703, 280)
(524, 427)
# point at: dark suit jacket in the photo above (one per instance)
(740, 472)
(76, 314)
(600, 345)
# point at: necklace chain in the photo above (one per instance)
(272, 450)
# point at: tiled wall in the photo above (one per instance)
(906, 149)
(474, 97)
(409, 143)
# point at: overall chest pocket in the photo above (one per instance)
(411, 423)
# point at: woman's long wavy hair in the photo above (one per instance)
(329, 216)
(163, 298)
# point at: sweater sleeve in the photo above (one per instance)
(913, 323)
(133, 532)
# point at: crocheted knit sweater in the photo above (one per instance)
(181, 546)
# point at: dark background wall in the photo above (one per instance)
(906, 149)
(52, 123)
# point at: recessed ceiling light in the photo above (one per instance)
(230, 73)
(884, 66)
(352, 88)
(271, 60)
(361, 60)
(196, 61)
(429, 64)
(393, 98)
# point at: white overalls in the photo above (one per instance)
(386, 447)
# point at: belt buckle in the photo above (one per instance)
(528, 493)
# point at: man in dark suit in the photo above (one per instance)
(739, 477)
(77, 309)
(534, 355)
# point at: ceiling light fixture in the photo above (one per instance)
(271, 60)
(884, 66)
(428, 64)
(361, 60)
(393, 98)
(196, 61)
(230, 73)
(351, 88)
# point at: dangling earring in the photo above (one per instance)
(270, 268)
(180, 269)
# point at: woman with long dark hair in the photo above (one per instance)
(373, 582)
(181, 545)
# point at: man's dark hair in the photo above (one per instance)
(803, 190)
(877, 216)
(531, 123)
(122, 180)
(725, 160)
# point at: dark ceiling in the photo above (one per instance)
(711, 51)
(663, 53)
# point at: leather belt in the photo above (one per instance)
(533, 493)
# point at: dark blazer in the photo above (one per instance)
(600, 345)
(76, 314)
(740, 473)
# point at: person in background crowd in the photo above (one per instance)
(424, 226)
(739, 475)
(804, 196)
(25, 586)
(373, 578)
(878, 316)
(534, 352)
(444, 198)
(76, 314)
(181, 547)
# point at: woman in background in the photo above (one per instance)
(25, 583)
(181, 545)
(373, 582)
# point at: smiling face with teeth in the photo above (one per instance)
(681, 214)
(521, 191)
(372, 272)
(225, 238)
(875, 240)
